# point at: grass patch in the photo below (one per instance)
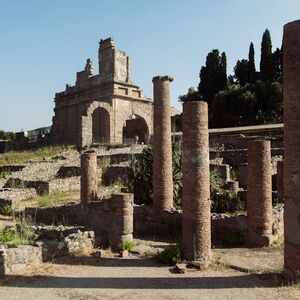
(4, 174)
(16, 157)
(57, 199)
(20, 235)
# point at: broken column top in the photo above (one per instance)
(109, 42)
(162, 78)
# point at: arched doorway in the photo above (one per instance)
(135, 130)
(101, 125)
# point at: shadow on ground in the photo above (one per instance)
(197, 280)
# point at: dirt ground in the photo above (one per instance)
(141, 278)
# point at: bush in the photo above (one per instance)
(126, 245)
(6, 210)
(171, 255)
(21, 235)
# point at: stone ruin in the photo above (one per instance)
(103, 108)
(116, 219)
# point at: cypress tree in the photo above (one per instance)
(251, 65)
(213, 76)
(266, 61)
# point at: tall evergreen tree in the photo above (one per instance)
(213, 76)
(266, 61)
(241, 71)
(251, 65)
(277, 61)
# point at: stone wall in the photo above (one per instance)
(110, 219)
(16, 259)
(45, 187)
(226, 229)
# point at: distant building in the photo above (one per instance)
(103, 108)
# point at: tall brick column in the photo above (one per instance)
(196, 229)
(291, 102)
(162, 151)
(259, 193)
(279, 181)
(88, 180)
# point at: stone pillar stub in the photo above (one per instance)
(291, 102)
(88, 180)
(162, 145)
(259, 193)
(122, 223)
(196, 229)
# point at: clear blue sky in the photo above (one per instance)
(44, 43)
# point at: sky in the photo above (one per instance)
(43, 43)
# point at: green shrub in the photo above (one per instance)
(171, 255)
(21, 235)
(222, 202)
(126, 245)
(6, 210)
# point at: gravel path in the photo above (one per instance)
(135, 278)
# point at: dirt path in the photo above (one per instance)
(135, 278)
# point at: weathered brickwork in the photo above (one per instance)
(279, 180)
(259, 193)
(196, 188)
(96, 108)
(88, 180)
(291, 100)
(162, 151)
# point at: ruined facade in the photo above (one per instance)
(105, 108)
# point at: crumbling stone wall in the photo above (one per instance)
(19, 258)
(111, 219)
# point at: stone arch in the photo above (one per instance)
(136, 129)
(86, 136)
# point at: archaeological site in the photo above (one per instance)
(128, 185)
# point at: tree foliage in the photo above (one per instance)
(7, 135)
(247, 98)
(266, 60)
(213, 76)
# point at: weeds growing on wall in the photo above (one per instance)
(22, 234)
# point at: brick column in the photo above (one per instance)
(196, 229)
(162, 151)
(259, 193)
(291, 102)
(121, 205)
(88, 180)
(279, 181)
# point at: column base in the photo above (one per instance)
(255, 240)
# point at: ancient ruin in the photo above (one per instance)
(162, 151)
(291, 100)
(103, 108)
(89, 180)
(259, 193)
(196, 226)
